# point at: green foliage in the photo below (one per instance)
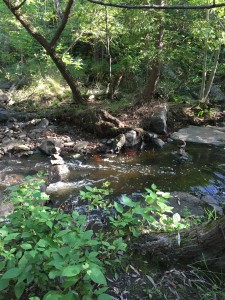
(133, 217)
(49, 250)
(47, 253)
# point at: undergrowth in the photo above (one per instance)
(47, 254)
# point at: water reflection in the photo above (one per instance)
(132, 171)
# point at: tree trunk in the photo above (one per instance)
(212, 75)
(156, 65)
(205, 244)
(67, 76)
(114, 85)
(49, 46)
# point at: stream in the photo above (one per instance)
(129, 172)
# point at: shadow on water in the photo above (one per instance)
(131, 171)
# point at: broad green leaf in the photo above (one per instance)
(100, 291)
(89, 188)
(127, 201)
(71, 271)
(153, 186)
(34, 298)
(19, 289)
(2, 265)
(53, 274)
(4, 283)
(104, 297)
(53, 295)
(150, 199)
(96, 275)
(26, 246)
(118, 207)
(87, 234)
(12, 273)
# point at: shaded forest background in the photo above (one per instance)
(170, 55)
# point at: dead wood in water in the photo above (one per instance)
(202, 243)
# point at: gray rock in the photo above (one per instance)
(4, 98)
(186, 204)
(132, 138)
(49, 147)
(213, 203)
(158, 142)
(5, 85)
(211, 135)
(118, 143)
(158, 121)
(4, 116)
(80, 146)
(217, 94)
(43, 124)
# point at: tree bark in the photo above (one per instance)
(156, 64)
(205, 243)
(114, 85)
(49, 47)
(212, 75)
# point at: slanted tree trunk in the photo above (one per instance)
(207, 85)
(204, 243)
(156, 64)
(212, 75)
(49, 46)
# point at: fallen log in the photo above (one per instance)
(204, 244)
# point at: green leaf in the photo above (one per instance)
(96, 275)
(42, 243)
(12, 273)
(127, 201)
(88, 188)
(87, 234)
(19, 289)
(118, 207)
(100, 291)
(53, 274)
(153, 186)
(2, 265)
(104, 297)
(26, 246)
(4, 283)
(34, 298)
(71, 271)
(53, 295)
(150, 199)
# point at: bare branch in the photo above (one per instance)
(20, 5)
(63, 23)
(154, 6)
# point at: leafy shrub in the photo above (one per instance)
(47, 253)
(44, 251)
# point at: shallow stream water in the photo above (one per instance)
(129, 172)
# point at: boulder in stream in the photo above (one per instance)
(158, 121)
(211, 135)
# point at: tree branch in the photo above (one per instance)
(154, 6)
(62, 25)
(20, 5)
